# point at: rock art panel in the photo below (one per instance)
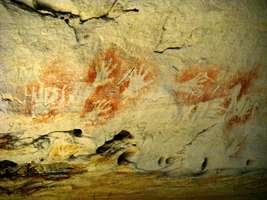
(105, 68)
(117, 82)
(112, 82)
(233, 95)
(138, 79)
(49, 95)
(116, 94)
(199, 84)
(202, 83)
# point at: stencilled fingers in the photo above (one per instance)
(138, 79)
(104, 71)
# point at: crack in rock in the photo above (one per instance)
(199, 134)
(195, 138)
(169, 48)
(44, 9)
(130, 10)
(163, 28)
(161, 47)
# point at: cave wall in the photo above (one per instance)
(173, 86)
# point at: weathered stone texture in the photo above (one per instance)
(186, 79)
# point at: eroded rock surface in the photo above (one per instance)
(172, 86)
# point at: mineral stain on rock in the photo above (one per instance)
(8, 169)
(8, 140)
(59, 170)
(114, 145)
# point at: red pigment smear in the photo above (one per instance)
(51, 76)
(112, 61)
(30, 88)
(227, 102)
(91, 75)
(124, 86)
(211, 88)
(54, 75)
(108, 92)
(225, 105)
(46, 117)
(245, 79)
(112, 91)
(236, 120)
(190, 73)
(33, 87)
(139, 68)
(142, 69)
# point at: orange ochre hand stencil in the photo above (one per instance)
(49, 95)
(202, 83)
(115, 82)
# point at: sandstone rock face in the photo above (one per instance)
(173, 86)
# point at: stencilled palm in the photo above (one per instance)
(235, 106)
(104, 71)
(44, 99)
(243, 107)
(137, 81)
(195, 85)
(101, 110)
